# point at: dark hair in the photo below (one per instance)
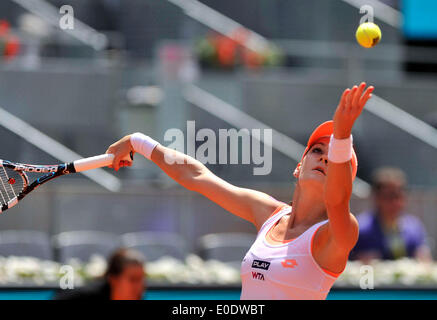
(388, 175)
(122, 258)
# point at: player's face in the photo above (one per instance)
(315, 163)
(129, 285)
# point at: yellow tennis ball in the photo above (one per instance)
(368, 34)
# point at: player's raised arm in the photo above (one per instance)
(248, 204)
(338, 187)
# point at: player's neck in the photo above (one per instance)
(308, 207)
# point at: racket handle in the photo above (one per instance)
(103, 160)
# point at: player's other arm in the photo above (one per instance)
(338, 188)
(343, 226)
(251, 205)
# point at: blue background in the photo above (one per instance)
(420, 19)
(233, 294)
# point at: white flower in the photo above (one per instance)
(194, 270)
(96, 267)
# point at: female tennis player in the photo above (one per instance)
(302, 247)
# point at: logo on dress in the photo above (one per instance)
(257, 275)
(259, 264)
(289, 263)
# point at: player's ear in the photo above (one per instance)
(296, 172)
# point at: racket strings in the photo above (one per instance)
(3, 193)
(8, 181)
(11, 184)
(3, 189)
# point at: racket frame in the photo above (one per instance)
(52, 171)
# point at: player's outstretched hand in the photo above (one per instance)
(349, 109)
(121, 150)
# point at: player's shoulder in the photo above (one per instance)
(354, 220)
(279, 208)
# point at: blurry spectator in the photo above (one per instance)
(123, 280)
(386, 231)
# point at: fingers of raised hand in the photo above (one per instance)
(366, 96)
(344, 97)
(358, 95)
(351, 97)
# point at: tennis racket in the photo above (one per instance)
(15, 184)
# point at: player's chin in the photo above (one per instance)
(316, 178)
(316, 175)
